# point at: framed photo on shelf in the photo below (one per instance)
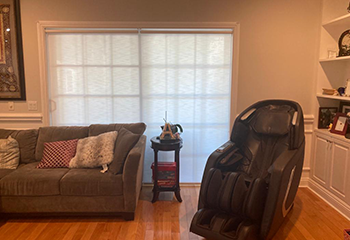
(326, 116)
(340, 124)
(344, 44)
(344, 107)
(12, 86)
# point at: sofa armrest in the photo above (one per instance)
(132, 175)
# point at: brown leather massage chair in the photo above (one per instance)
(250, 182)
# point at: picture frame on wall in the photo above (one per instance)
(344, 107)
(340, 124)
(12, 83)
(326, 116)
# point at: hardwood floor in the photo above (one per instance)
(311, 218)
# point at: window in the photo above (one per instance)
(137, 75)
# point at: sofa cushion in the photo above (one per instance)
(97, 129)
(4, 172)
(9, 153)
(125, 142)
(94, 151)
(91, 182)
(26, 140)
(58, 154)
(30, 181)
(53, 134)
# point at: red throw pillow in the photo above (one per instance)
(58, 154)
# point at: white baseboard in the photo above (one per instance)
(305, 176)
(330, 198)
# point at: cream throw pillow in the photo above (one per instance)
(9, 153)
(94, 151)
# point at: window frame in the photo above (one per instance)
(44, 26)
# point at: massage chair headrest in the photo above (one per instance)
(273, 120)
(271, 117)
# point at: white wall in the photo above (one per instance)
(278, 42)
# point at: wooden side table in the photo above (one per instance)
(157, 145)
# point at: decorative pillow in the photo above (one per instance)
(94, 151)
(58, 154)
(125, 142)
(9, 153)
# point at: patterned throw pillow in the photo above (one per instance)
(58, 154)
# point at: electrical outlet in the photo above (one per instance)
(32, 106)
(11, 106)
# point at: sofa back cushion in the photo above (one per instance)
(26, 141)
(54, 134)
(97, 129)
(125, 142)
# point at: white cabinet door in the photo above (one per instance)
(339, 169)
(320, 161)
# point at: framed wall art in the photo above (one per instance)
(326, 116)
(340, 124)
(12, 85)
(344, 107)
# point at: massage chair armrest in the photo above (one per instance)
(132, 174)
(211, 162)
(284, 181)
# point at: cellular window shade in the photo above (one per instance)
(126, 77)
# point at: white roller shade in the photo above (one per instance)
(111, 77)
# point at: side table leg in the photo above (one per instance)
(177, 195)
(155, 196)
(155, 177)
(177, 160)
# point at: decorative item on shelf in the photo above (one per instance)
(344, 107)
(347, 88)
(347, 134)
(332, 53)
(329, 91)
(344, 44)
(326, 116)
(341, 91)
(170, 132)
(340, 124)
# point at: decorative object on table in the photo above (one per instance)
(332, 53)
(326, 116)
(170, 132)
(12, 86)
(344, 44)
(340, 124)
(344, 107)
(329, 91)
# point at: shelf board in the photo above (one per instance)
(338, 25)
(347, 58)
(320, 95)
(333, 135)
(342, 20)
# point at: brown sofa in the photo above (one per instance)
(62, 191)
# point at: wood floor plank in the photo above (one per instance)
(311, 219)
